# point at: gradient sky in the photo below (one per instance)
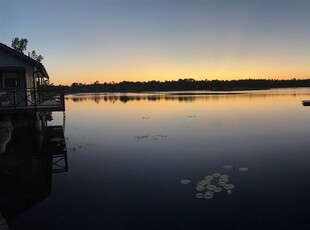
(141, 40)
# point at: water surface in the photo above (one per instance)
(127, 155)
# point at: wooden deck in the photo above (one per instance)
(34, 101)
(31, 108)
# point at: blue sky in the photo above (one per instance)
(85, 41)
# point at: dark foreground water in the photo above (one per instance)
(128, 154)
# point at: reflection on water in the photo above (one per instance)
(138, 165)
(186, 96)
(26, 169)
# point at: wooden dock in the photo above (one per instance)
(306, 102)
(55, 144)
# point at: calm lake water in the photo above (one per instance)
(128, 153)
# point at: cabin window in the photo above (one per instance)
(10, 80)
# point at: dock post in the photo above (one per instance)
(6, 131)
(38, 123)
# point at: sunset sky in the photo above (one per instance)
(141, 40)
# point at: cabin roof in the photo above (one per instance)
(39, 66)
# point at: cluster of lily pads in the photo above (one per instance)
(214, 183)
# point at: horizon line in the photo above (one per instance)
(192, 79)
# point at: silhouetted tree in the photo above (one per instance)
(35, 56)
(19, 44)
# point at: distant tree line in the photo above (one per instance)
(184, 85)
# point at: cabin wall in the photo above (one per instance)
(11, 63)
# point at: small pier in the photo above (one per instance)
(55, 144)
(306, 102)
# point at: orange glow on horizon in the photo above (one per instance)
(228, 68)
(89, 78)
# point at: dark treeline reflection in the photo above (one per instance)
(180, 96)
(127, 98)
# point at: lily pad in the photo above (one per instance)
(209, 178)
(216, 174)
(224, 176)
(202, 183)
(199, 195)
(223, 180)
(227, 166)
(185, 181)
(200, 188)
(229, 186)
(217, 189)
(243, 169)
(221, 183)
(208, 194)
(210, 187)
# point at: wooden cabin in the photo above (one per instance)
(25, 95)
(24, 85)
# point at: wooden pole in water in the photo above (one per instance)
(6, 130)
(38, 122)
